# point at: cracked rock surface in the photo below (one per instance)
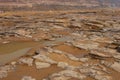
(64, 45)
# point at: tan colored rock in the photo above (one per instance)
(28, 78)
(102, 39)
(106, 63)
(58, 51)
(84, 59)
(3, 74)
(73, 74)
(62, 64)
(13, 63)
(66, 75)
(57, 76)
(28, 61)
(4, 70)
(116, 66)
(72, 57)
(117, 56)
(61, 78)
(101, 54)
(102, 77)
(85, 44)
(6, 42)
(44, 58)
(40, 65)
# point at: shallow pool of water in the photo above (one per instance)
(14, 46)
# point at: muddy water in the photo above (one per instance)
(11, 56)
(15, 50)
(14, 46)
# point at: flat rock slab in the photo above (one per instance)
(116, 66)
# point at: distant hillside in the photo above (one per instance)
(55, 4)
(85, 3)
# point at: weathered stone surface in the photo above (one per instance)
(65, 65)
(13, 63)
(71, 57)
(97, 36)
(62, 64)
(74, 74)
(86, 44)
(60, 78)
(66, 75)
(102, 39)
(100, 54)
(4, 71)
(28, 61)
(102, 77)
(106, 63)
(28, 78)
(76, 24)
(23, 33)
(116, 66)
(108, 50)
(117, 56)
(44, 58)
(3, 74)
(58, 51)
(40, 65)
(84, 59)
(95, 71)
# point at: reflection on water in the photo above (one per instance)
(14, 46)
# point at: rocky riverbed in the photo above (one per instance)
(61, 45)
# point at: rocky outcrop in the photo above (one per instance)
(86, 44)
(95, 72)
(28, 61)
(44, 58)
(67, 74)
(100, 54)
(70, 45)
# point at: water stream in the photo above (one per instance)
(14, 50)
